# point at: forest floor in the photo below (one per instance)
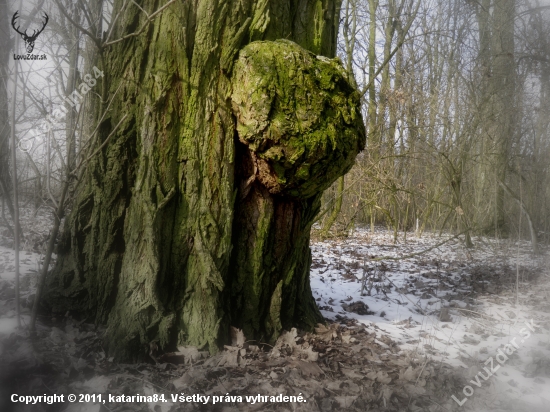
(403, 333)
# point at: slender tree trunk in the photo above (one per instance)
(71, 118)
(523, 207)
(13, 144)
(374, 138)
(350, 32)
(497, 99)
(187, 223)
(337, 206)
(483, 168)
(503, 88)
(5, 175)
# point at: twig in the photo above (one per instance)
(102, 145)
(78, 26)
(48, 256)
(91, 136)
(395, 286)
(422, 251)
(137, 33)
(420, 374)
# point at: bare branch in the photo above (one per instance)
(137, 33)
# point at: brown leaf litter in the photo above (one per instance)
(342, 366)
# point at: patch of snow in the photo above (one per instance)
(452, 304)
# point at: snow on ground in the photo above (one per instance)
(28, 268)
(451, 304)
(35, 226)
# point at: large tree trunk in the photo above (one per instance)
(195, 216)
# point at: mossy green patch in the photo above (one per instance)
(298, 114)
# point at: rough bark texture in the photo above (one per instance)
(174, 237)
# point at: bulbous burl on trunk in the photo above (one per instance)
(195, 216)
(298, 115)
(300, 128)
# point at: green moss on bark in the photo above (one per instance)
(298, 115)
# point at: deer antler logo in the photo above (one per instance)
(29, 40)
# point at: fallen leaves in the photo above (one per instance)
(359, 307)
(337, 366)
(326, 334)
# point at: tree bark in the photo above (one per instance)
(519, 200)
(498, 84)
(5, 46)
(196, 214)
(503, 85)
